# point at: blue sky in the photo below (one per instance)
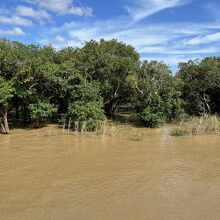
(169, 30)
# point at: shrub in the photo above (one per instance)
(151, 111)
(151, 119)
(40, 111)
(86, 115)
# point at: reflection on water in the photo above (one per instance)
(48, 176)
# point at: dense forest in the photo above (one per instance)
(79, 87)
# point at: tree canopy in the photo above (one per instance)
(81, 86)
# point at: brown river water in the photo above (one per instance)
(137, 174)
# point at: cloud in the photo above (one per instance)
(173, 51)
(210, 38)
(144, 8)
(14, 32)
(147, 39)
(80, 11)
(177, 43)
(171, 61)
(140, 36)
(62, 7)
(30, 12)
(60, 39)
(15, 20)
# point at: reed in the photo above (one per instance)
(206, 124)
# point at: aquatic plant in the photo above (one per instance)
(205, 124)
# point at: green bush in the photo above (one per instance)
(151, 111)
(86, 115)
(151, 119)
(41, 111)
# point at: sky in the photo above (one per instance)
(171, 31)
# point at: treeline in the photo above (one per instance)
(79, 87)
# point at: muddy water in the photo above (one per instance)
(45, 175)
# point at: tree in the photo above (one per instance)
(6, 93)
(80, 85)
(200, 85)
(109, 63)
(86, 115)
(41, 111)
(86, 106)
(156, 99)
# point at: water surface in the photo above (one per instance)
(137, 174)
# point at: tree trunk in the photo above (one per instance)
(111, 108)
(37, 123)
(4, 122)
(69, 124)
(206, 103)
(2, 126)
(17, 112)
(109, 111)
(24, 115)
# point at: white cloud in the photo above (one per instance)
(60, 39)
(173, 51)
(171, 61)
(15, 20)
(142, 37)
(147, 39)
(62, 7)
(30, 12)
(140, 9)
(14, 32)
(80, 11)
(210, 38)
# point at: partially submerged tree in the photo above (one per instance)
(87, 116)
(86, 110)
(110, 63)
(86, 83)
(41, 111)
(200, 85)
(156, 99)
(6, 93)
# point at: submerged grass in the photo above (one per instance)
(136, 137)
(110, 128)
(118, 125)
(206, 124)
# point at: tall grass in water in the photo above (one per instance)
(102, 129)
(206, 124)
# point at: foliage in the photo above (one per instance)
(99, 79)
(41, 111)
(6, 91)
(157, 99)
(109, 63)
(200, 85)
(86, 115)
(151, 117)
